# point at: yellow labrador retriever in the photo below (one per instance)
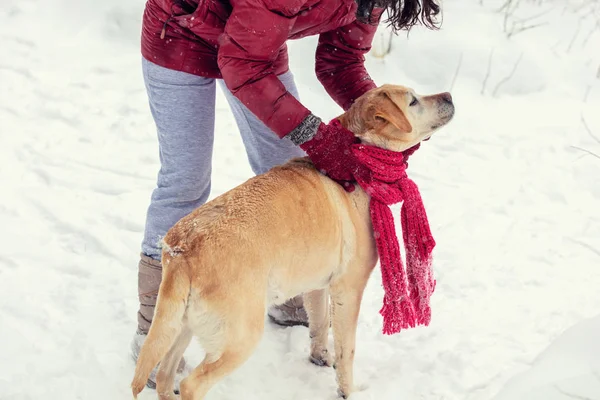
(289, 231)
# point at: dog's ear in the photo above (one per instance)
(388, 110)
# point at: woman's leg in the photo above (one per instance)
(183, 108)
(265, 150)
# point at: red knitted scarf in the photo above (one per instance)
(383, 176)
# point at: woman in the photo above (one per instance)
(189, 45)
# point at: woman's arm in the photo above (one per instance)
(340, 60)
(249, 46)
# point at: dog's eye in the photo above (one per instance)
(414, 102)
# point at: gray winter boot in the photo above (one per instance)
(290, 313)
(149, 277)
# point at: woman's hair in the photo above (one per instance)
(403, 14)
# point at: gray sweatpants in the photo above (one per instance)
(183, 108)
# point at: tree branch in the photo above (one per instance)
(593, 250)
(523, 28)
(457, 71)
(587, 151)
(589, 131)
(573, 396)
(503, 81)
(489, 70)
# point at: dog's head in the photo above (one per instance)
(396, 118)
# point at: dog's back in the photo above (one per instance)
(282, 206)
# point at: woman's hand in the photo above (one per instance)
(329, 150)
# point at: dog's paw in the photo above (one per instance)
(345, 393)
(321, 358)
(341, 393)
(167, 396)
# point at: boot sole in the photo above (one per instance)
(288, 322)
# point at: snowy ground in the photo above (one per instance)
(514, 209)
(568, 369)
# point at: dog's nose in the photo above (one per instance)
(446, 97)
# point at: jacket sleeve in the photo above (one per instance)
(253, 37)
(340, 61)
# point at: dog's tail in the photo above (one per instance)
(171, 304)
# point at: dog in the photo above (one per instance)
(289, 231)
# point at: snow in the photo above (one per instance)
(578, 377)
(513, 207)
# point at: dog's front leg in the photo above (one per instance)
(345, 297)
(317, 308)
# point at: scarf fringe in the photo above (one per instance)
(398, 315)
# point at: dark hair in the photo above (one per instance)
(402, 14)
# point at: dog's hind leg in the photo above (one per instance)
(242, 331)
(317, 308)
(165, 377)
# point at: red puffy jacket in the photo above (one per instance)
(244, 42)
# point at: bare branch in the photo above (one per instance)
(382, 42)
(515, 31)
(508, 8)
(586, 151)
(589, 131)
(588, 89)
(535, 16)
(589, 35)
(505, 6)
(513, 25)
(590, 248)
(457, 71)
(503, 81)
(574, 36)
(553, 48)
(489, 69)
(573, 396)
(389, 47)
